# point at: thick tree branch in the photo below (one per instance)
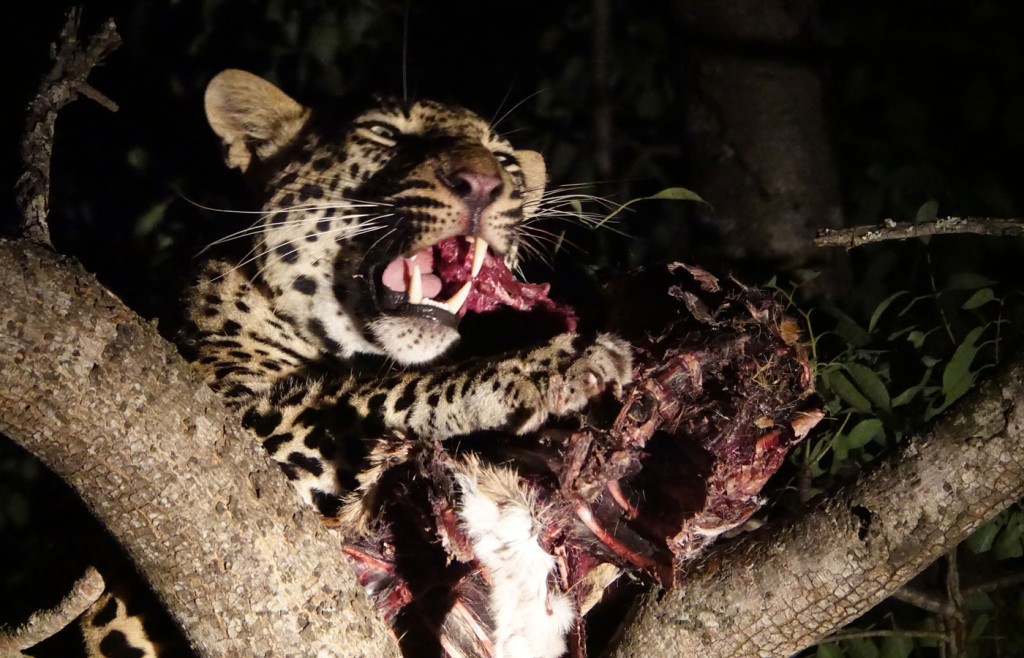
(848, 238)
(71, 67)
(46, 623)
(103, 401)
(775, 598)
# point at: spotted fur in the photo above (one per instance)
(278, 337)
(320, 357)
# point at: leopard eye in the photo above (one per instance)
(504, 159)
(381, 132)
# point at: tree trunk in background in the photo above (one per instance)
(759, 148)
(94, 392)
(776, 597)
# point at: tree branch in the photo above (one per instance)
(103, 401)
(71, 67)
(778, 597)
(924, 600)
(997, 583)
(848, 238)
(46, 623)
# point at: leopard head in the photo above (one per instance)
(365, 216)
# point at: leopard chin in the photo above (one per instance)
(412, 340)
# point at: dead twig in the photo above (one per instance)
(848, 238)
(46, 623)
(925, 601)
(859, 635)
(1007, 580)
(66, 80)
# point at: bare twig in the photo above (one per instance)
(848, 238)
(46, 623)
(62, 85)
(956, 629)
(999, 582)
(924, 600)
(883, 632)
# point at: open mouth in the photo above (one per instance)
(457, 276)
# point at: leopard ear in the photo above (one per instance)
(254, 118)
(535, 175)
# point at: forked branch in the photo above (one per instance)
(65, 81)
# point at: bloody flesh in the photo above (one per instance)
(495, 285)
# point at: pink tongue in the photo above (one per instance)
(396, 274)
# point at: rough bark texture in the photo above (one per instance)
(45, 623)
(103, 401)
(773, 599)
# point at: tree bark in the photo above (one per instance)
(103, 401)
(776, 598)
(756, 127)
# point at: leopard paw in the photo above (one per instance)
(606, 365)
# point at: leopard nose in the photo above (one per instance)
(477, 189)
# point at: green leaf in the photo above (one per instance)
(978, 626)
(957, 377)
(928, 211)
(968, 281)
(829, 650)
(1008, 543)
(845, 389)
(151, 219)
(863, 432)
(897, 646)
(804, 276)
(881, 308)
(668, 194)
(979, 299)
(981, 539)
(916, 338)
(870, 384)
(676, 194)
(909, 394)
(852, 332)
(138, 158)
(861, 648)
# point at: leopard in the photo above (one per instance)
(335, 329)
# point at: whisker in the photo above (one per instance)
(508, 92)
(262, 228)
(381, 238)
(261, 247)
(494, 125)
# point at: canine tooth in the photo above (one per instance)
(479, 252)
(458, 299)
(415, 290)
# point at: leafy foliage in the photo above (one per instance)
(884, 375)
(923, 102)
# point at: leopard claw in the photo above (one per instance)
(605, 365)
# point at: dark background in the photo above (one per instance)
(923, 102)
